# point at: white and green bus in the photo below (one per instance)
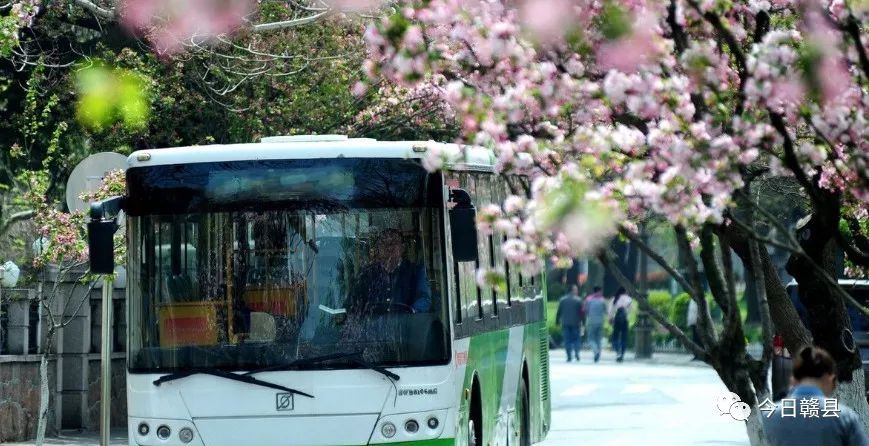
(321, 291)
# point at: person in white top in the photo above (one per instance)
(619, 319)
(692, 324)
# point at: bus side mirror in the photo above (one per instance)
(101, 232)
(463, 226)
(101, 247)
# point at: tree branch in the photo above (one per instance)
(290, 23)
(760, 289)
(96, 10)
(704, 320)
(855, 254)
(790, 157)
(606, 258)
(712, 271)
(657, 258)
(852, 27)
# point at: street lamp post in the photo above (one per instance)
(643, 327)
(106, 362)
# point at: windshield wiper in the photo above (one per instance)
(227, 375)
(376, 368)
(352, 356)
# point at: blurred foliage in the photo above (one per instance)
(661, 301)
(87, 86)
(107, 95)
(679, 310)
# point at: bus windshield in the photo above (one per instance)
(256, 264)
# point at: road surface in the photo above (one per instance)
(668, 401)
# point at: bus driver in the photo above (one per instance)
(391, 282)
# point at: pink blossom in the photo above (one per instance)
(172, 24)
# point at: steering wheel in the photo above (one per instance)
(392, 307)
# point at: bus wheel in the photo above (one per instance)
(520, 421)
(475, 417)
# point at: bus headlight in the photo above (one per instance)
(163, 432)
(144, 429)
(388, 429)
(412, 426)
(186, 435)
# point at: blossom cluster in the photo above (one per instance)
(62, 239)
(25, 11)
(619, 109)
(20, 15)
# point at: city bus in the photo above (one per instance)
(321, 291)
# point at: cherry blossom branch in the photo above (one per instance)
(724, 33)
(761, 26)
(852, 27)
(680, 39)
(790, 157)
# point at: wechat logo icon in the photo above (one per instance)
(730, 404)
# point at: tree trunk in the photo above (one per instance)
(754, 426)
(827, 314)
(736, 375)
(785, 319)
(610, 284)
(750, 296)
(43, 398)
(853, 395)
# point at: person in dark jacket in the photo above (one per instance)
(808, 416)
(391, 282)
(619, 319)
(569, 316)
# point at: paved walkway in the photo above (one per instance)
(667, 400)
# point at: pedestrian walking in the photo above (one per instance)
(808, 416)
(619, 320)
(569, 316)
(692, 325)
(595, 307)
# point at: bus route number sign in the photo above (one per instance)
(284, 401)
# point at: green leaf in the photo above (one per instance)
(613, 21)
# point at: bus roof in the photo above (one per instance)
(317, 146)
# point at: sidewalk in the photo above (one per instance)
(607, 356)
(118, 437)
